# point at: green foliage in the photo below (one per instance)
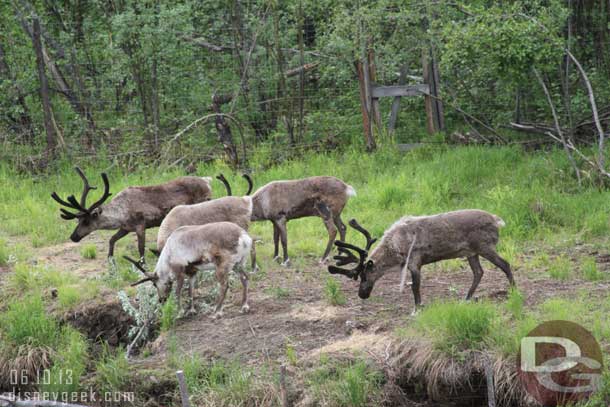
(278, 292)
(291, 354)
(88, 251)
(333, 293)
(456, 326)
(69, 362)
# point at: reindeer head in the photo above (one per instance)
(89, 218)
(161, 280)
(365, 268)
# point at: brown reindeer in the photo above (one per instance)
(414, 241)
(281, 201)
(134, 209)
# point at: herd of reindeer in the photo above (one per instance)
(198, 232)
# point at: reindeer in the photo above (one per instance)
(414, 241)
(222, 244)
(134, 209)
(233, 209)
(281, 201)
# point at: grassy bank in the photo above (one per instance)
(546, 215)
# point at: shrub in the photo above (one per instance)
(457, 326)
(333, 293)
(88, 251)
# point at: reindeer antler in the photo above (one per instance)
(348, 257)
(250, 183)
(147, 276)
(81, 207)
(222, 179)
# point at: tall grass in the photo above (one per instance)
(457, 326)
(332, 292)
(26, 321)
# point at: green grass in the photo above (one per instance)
(514, 303)
(333, 293)
(278, 292)
(560, 269)
(590, 271)
(88, 251)
(337, 383)
(169, 313)
(456, 326)
(4, 252)
(112, 370)
(26, 321)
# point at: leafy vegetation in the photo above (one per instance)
(88, 251)
(333, 293)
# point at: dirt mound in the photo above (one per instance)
(102, 319)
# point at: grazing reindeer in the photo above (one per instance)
(233, 209)
(414, 241)
(223, 245)
(134, 209)
(281, 201)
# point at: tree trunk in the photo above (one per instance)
(224, 130)
(44, 92)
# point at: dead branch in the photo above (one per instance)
(304, 68)
(557, 126)
(202, 43)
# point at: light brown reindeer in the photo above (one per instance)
(281, 201)
(134, 209)
(233, 209)
(223, 245)
(414, 241)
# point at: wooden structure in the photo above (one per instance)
(371, 92)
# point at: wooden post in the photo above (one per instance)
(283, 389)
(375, 109)
(44, 92)
(402, 79)
(439, 115)
(184, 394)
(489, 377)
(365, 104)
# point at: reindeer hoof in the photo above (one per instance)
(217, 315)
(285, 263)
(277, 259)
(324, 261)
(189, 312)
(245, 309)
(255, 270)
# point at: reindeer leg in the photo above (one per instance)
(477, 270)
(193, 277)
(222, 274)
(179, 284)
(327, 217)
(416, 278)
(141, 234)
(491, 255)
(243, 277)
(340, 225)
(284, 238)
(253, 258)
(121, 233)
(276, 242)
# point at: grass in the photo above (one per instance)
(112, 370)
(589, 270)
(169, 313)
(278, 292)
(457, 326)
(514, 303)
(4, 252)
(333, 293)
(337, 383)
(560, 269)
(88, 251)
